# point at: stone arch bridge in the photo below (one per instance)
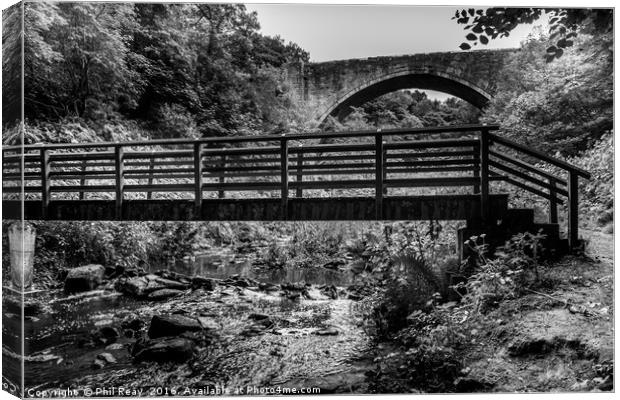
(333, 87)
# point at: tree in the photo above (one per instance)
(562, 106)
(564, 24)
(76, 57)
(181, 69)
(410, 109)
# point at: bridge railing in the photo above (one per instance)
(455, 159)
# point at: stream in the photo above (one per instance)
(314, 343)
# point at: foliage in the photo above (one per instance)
(409, 260)
(558, 107)
(513, 269)
(188, 69)
(427, 359)
(597, 194)
(408, 109)
(564, 24)
(306, 244)
(174, 240)
(412, 286)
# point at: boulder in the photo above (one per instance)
(296, 286)
(109, 333)
(107, 357)
(327, 332)
(471, 385)
(330, 291)
(134, 324)
(208, 323)
(258, 317)
(172, 325)
(84, 278)
(104, 336)
(165, 350)
(134, 286)
(293, 295)
(163, 294)
(200, 282)
(170, 284)
(175, 276)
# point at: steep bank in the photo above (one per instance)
(555, 336)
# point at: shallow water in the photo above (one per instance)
(290, 354)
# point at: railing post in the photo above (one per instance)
(284, 177)
(83, 178)
(384, 161)
(221, 178)
(379, 175)
(553, 202)
(476, 187)
(484, 176)
(300, 175)
(120, 180)
(45, 183)
(198, 180)
(573, 210)
(149, 193)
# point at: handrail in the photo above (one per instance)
(539, 154)
(264, 138)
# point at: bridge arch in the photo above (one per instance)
(406, 79)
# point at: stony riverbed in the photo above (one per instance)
(233, 328)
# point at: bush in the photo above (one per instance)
(174, 121)
(413, 286)
(428, 358)
(514, 269)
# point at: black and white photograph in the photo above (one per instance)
(226, 199)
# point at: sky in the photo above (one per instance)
(339, 32)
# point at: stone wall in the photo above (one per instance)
(330, 88)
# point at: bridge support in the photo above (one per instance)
(573, 210)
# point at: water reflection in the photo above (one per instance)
(223, 265)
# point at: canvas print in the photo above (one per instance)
(299, 199)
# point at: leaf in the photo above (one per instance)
(471, 36)
(484, 39)
(463, 20)
(477, 29)
(465, 46)
(551, 49)
(471, 11)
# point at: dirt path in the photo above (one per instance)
(559, 338)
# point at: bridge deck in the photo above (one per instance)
(383, 175)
